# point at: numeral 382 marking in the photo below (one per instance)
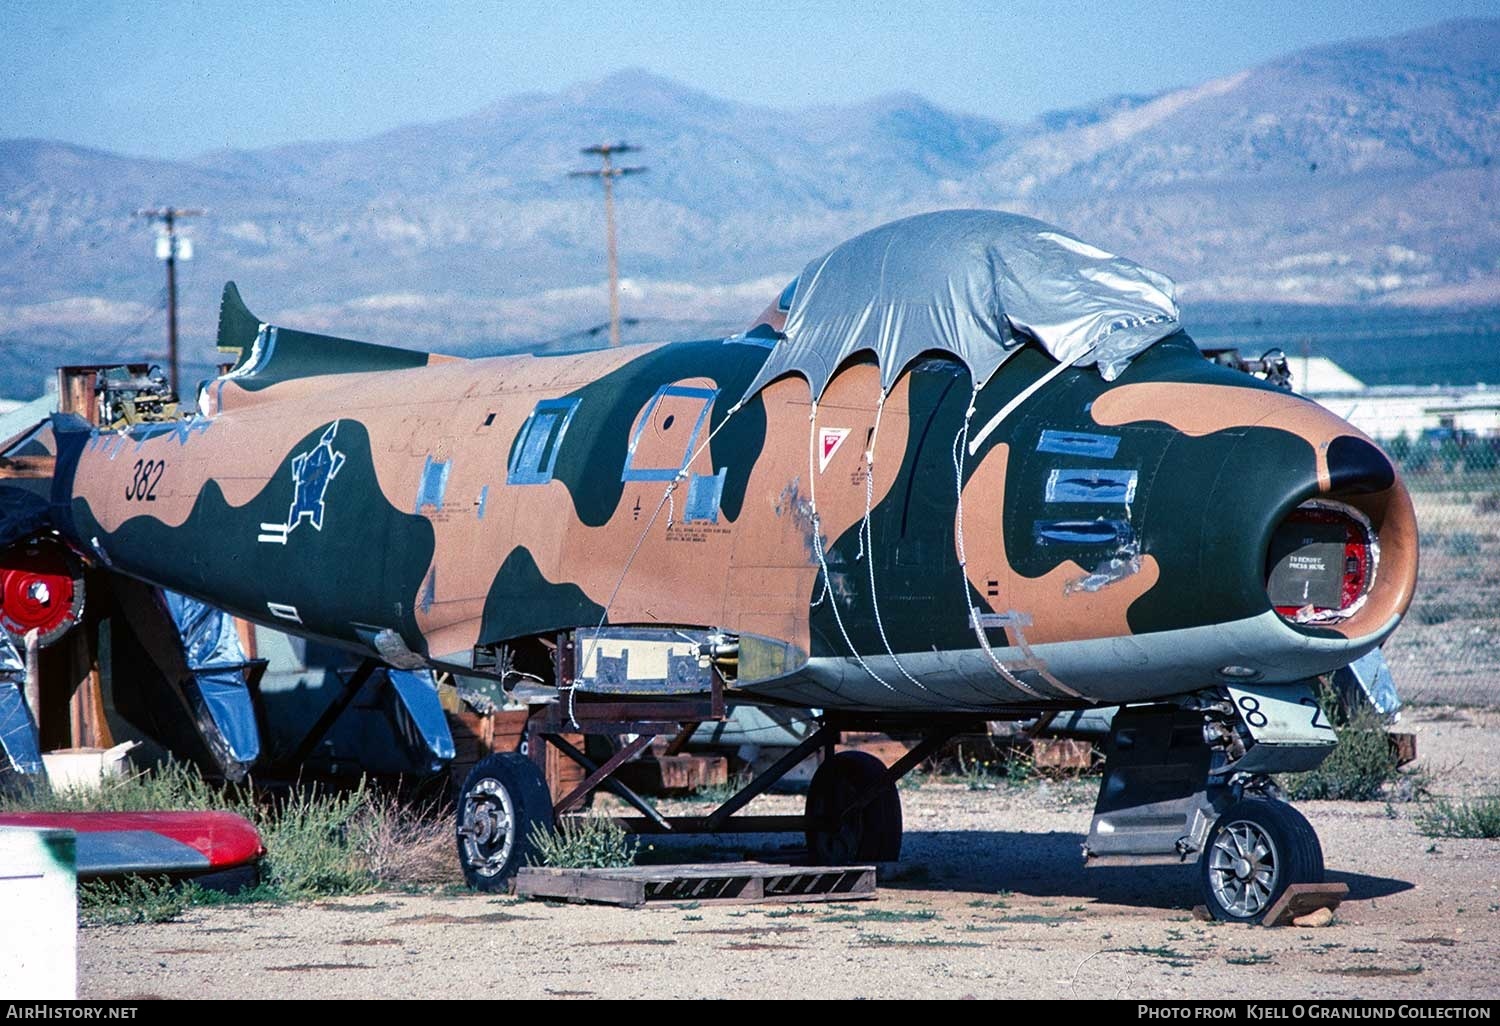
(142, 487)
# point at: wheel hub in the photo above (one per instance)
(1243, 867)
(41, 589)
(489, 816)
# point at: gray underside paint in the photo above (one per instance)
(115, 852)
(1105, 671)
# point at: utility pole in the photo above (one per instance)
(607, 174)
(170, 247)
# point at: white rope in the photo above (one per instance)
(1025, 393)
(666, 500)
(817, 533)
(960, 447)
(865, 528)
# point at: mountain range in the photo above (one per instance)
(1356, 173)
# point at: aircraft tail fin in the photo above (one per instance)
(237, 325)
(266, 354)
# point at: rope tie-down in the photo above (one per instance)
(666, 502)
(817, 543)
(960, 449)
(864, 534)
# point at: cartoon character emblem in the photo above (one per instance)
(311, 473)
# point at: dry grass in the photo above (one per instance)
(408, 846)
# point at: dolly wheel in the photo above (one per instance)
(871, 834)
(501, 802)
(1257, 849)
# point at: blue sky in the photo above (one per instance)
(178, 78)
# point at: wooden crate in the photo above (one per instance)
(674, 774)
(1403, 747)
(563, 774)
(884, 748)
(476, 735)
(1060, 753)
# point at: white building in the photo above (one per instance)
(1385, 411)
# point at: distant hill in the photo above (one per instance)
(1357, 173)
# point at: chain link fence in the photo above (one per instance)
(1448, 648)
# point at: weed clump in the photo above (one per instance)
(1477, 818)
(135, 899)
(319, 842)
(1360, 765)
(585, 842)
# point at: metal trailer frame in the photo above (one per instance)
(678, 718)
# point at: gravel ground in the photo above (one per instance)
(990, 900)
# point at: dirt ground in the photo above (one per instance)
(991, 900)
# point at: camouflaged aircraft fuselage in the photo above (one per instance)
(1114, 535)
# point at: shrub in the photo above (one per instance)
(1358, 768)
(319, 842)
(1479, 817)
(135, 899)
(583, 842)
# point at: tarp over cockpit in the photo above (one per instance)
(978, 284)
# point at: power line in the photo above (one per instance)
(157, 305)
(607, 173)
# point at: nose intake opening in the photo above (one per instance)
(1321, 563)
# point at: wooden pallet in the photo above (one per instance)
(721, 883)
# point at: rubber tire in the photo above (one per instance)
(872, 835)
(531, 804)
(1299, 854)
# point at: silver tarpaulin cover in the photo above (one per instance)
(976, 283)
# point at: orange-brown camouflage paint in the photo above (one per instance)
(1197, 410)
(1057, 612)
(751, 576)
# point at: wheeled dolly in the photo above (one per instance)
(852, 814)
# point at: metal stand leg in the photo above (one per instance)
(902, 766)
(780, 768)
(334, 711)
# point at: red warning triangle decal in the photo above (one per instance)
(829, 440)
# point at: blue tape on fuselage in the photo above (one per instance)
(1091, 484)
(1079, 443)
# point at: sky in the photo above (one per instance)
(175, 78)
